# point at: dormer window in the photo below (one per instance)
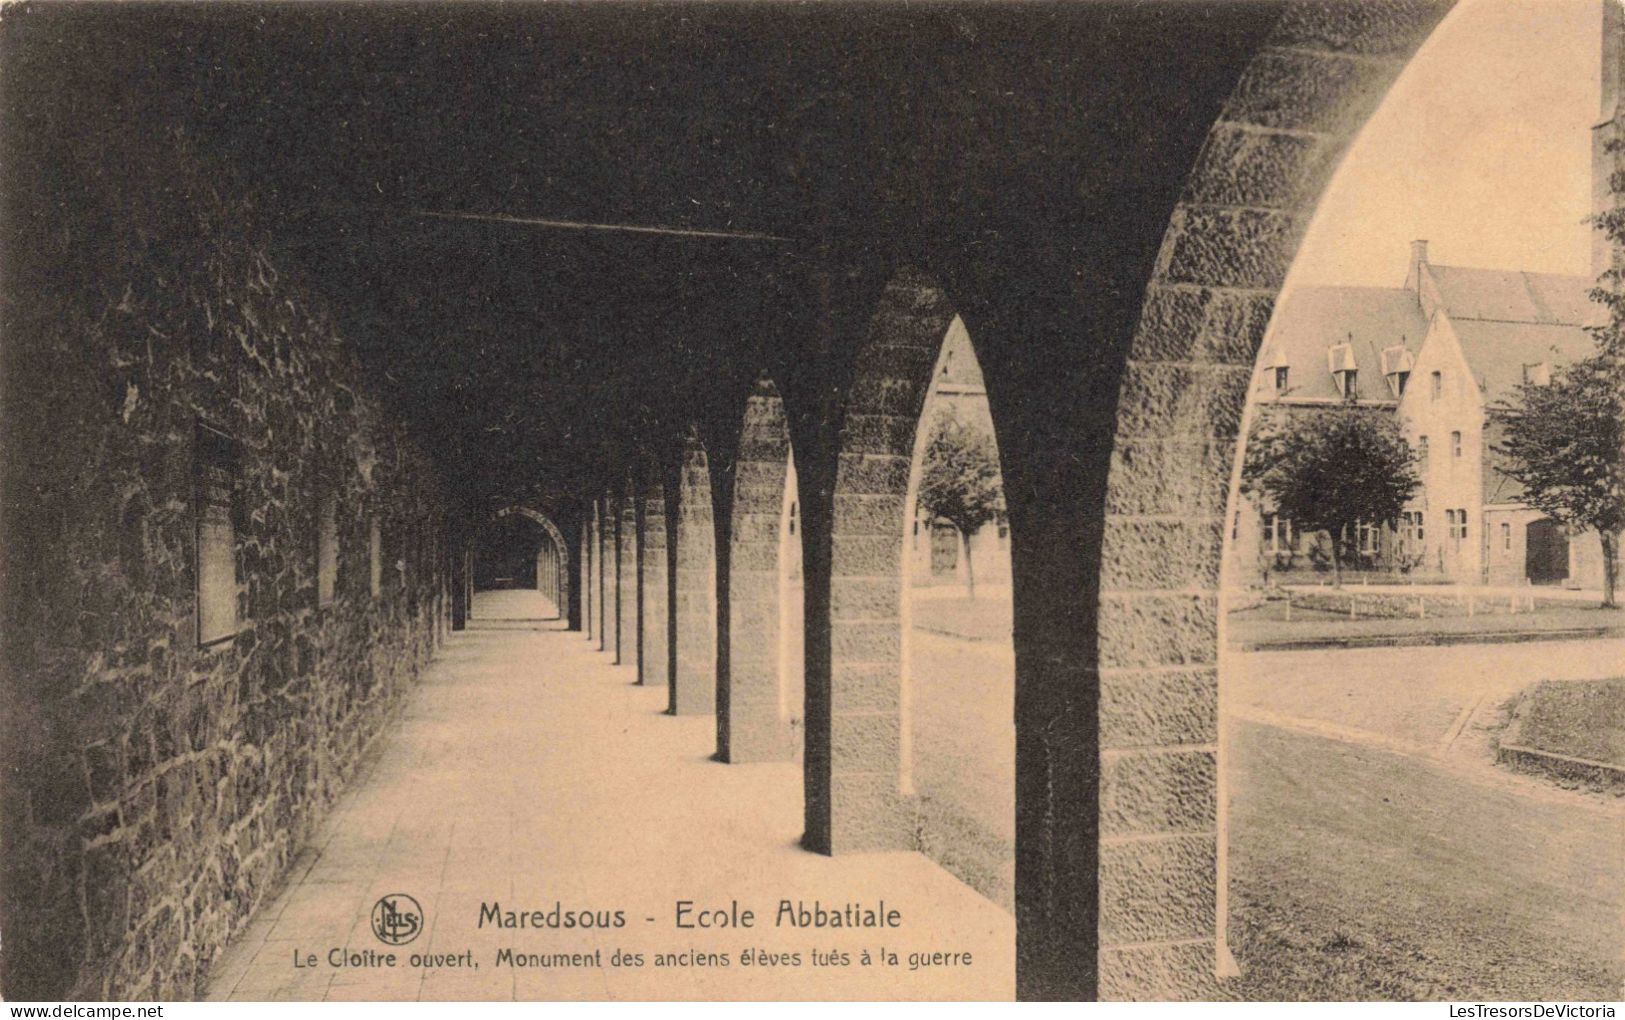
(1538, 374)
(1340, 361)
(1396, 368)
(1273, 369)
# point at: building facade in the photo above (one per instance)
(1437, 352)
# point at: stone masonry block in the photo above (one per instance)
(878, 433)
(870, 514)
(864, 687)
(1158, 630)
(1138, 554)
(1142, 709)
(866, 598)
(1244, 166)
(866, 743)
(1180, 972)
(1163, 400)
(1158, 889)
(865, 642)
(872, 474)
(1323, 92)
(1158, 791)
(1227, 247)
(867, 555)
(1170, 476)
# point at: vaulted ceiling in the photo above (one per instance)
(405, 152)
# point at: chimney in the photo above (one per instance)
(1413, 273)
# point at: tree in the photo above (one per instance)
(1329, 469)
(959, 479)
(1561, 442)
(1564, 442)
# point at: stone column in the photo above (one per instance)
(626, 584)
(693, 688)
(654, 660)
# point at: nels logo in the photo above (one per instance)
(397, 919)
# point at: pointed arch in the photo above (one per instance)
(752, 724)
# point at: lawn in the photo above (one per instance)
(1580, 719)
(961, 720)
(1266, 624)
(1360, 874)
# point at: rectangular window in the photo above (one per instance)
(214, 464)
(1277, 534)
(1281, 372)
(1438, 384)
(1410, 532)
(1455, 444)
(1368, 538)
(1457, 519)
(327, 551)
(375, 543)
(1506, 536)
(1422, 450)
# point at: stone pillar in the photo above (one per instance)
(602, 524)
(654, 657)
(586, 578)
(863, 745)
(693, 688)
(749, 723)
(626, 583)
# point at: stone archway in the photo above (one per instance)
(555, 582)
(1232, 237)
(750, 724)
(854, 798)
(694, 594)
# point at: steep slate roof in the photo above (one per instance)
(1498, 351)
(1309, 320)
(1506, 295)
(1506, 321)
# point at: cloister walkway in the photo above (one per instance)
(528, 771)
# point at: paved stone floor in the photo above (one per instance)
(528, 771)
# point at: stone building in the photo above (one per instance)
(1437, 352)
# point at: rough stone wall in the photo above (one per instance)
(155, 790)
(655, 664)
(1224, 257)
(749, 727)
(694, 685)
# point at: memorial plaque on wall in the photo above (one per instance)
(215, 480)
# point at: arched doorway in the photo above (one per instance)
(958, 656)
(760, 711)
(886, 774)
(1328, 757)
